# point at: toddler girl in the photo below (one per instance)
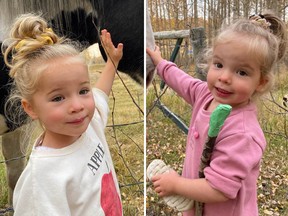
(240, 66)
(70, 170)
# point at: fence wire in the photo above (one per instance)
(6, 210)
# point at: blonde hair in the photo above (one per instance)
(31, 44)
(267, 44)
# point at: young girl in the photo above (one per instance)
(240, 65)
(70, 170)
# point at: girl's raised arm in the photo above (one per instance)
(114, 55)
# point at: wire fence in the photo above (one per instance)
(6, 210)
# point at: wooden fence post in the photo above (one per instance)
(198, 40)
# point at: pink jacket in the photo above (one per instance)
(236, 158)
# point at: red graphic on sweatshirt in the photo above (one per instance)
(110, 200)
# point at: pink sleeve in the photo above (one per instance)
(186, 86)
(235, 159)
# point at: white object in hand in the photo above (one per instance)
(177, 202)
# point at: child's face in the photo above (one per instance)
(233, 75)
(63, 101)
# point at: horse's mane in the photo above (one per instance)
(12, 8)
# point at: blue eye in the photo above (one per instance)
(242, 73)
(57, 99)
(84, 91)
(218, 65)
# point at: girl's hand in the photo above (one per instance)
(113, 53)
(164, 184)
(155, 55)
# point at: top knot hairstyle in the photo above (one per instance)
(274, 25)
(264, 29)
(266, 37)
(28, 36)
(30, 45)
(279, 29)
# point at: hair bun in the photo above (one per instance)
(32, 31)
(29, 35)
(46, 38)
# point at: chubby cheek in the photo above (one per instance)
(55, 116)
(245, 93)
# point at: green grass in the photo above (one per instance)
(126, 142)
(3, 187)
(273, 181)
(167, 142)
(164, 140)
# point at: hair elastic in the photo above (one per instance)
(43, 39)
(260, 21)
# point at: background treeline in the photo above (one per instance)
(171, 15)
(184, 14)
